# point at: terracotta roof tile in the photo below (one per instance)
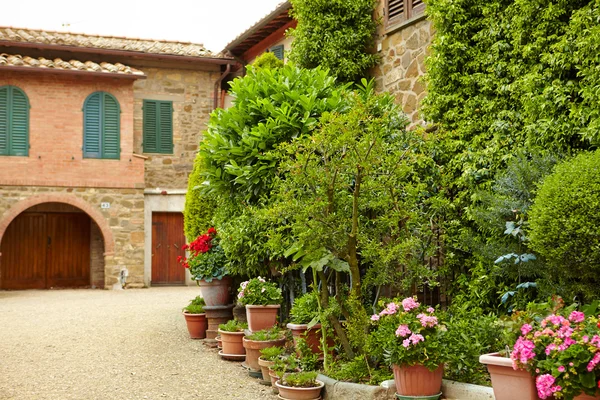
(16, 60)
(104, 42)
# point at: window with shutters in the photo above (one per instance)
(101, 126)
(277, 51)
(14, 122)
(397, 11)
(158, 126)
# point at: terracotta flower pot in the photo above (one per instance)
(261, 317)
(417, 380)
(216, 315)
(312, 336)
(264, 367)
(274, 379)
(232, 343)
(587, 397)
(297, 393)
(196, 324)
(253, 348)
(216, 292)
(508, 383)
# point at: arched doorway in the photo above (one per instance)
(52, 245)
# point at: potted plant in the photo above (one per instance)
(563, 353)
(304, 318)
(195, 318)
(206, 261)
(300, 386)
(232, 334)
(267, 358)
(262, 300)
(257, 341)
(282, 366)
(410, 338)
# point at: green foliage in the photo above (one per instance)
(334, 34)
(206, 260)
(258, 292)
(470, 334)
(267, 60)
(308, 360)
(270, 106)
(358, 185)
(233, 326)
(199, 207)
(305, 308)
(196, 306)
(272, 353)
(267, 335)
(358, 370)
(564, 222)
(303, 379)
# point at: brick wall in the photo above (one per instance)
(56, 134)
(191, 92)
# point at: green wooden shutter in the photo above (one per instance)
(150, 131)
(158, 126)
(92, 126)
(4, 147)
(277, 51)
(14, 122)
(111, 129)
(19, 133)
(165, 127)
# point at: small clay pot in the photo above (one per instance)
(196, 325)
(253, 348)
(274, 379)
(232, 343)
(261, 317)
(417, 380)
(264, 367)
(297, 393)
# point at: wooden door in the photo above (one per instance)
(68, 256)
(43, 250)
(24, 245)
(167, 244)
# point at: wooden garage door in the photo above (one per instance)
(43, 250)
(167, 243)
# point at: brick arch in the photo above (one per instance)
(95, 215)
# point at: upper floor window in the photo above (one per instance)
(397, 11)
(158, 126)
(101, 126)
(14, 122)
(277, 51)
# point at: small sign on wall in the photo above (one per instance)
(104, 205)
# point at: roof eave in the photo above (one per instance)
(285, 6)
(71, 72)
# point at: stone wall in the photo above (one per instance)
(96, 257)
(400, 72)
(121, 225)
(191, 92)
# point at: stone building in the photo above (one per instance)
(97, 138)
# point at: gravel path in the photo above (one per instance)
(100, 344)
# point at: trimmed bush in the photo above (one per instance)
(565, 226)
(199, 207)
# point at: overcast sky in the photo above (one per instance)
(211, 22)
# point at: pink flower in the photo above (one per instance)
(544, 384)
(593, 362)
(416, 338)
(374, 317)
(390, 309)
(409, 303)
(427, 321)
(523, 351)
(576, 316)
(525, 329)
(406, 343)
(403, 331)
(561, 369)
(430, 310)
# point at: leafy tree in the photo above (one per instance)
(334, 34)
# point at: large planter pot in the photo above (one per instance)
(312, 336)
(216, 315)
(232, 343)
(261, 317)
(196, 324)
(587, 397)
(253, 348)
(508, 383)
(418, 381)
(264, 368)
(295, 393)
(216, 292)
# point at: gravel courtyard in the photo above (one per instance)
(100, 344)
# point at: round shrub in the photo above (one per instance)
(565, 226)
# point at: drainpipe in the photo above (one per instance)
(218, 85)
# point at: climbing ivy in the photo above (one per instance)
(334, 34)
